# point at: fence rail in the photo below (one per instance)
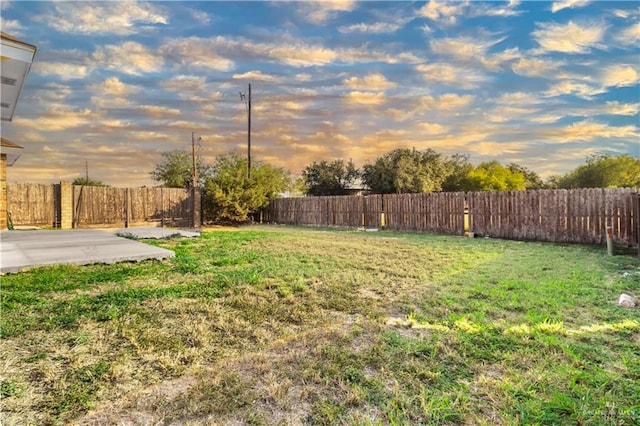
(574, 216)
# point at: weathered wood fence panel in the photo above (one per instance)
(347, 211)
(373, 208)
(98, 205)
(31, 204)
(39, 205)
(438, 212)
(575, 216)
(443, 213)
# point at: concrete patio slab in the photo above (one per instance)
(20, 250)
(155, 232)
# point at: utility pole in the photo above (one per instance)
(195, 199)
(249, 137)
(247, 99)
(194, 172)
(86, 170)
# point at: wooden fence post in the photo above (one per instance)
(610, 240)
(127, 213)
(636, 218)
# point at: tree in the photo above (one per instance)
(604, 171)
(406, 171)
(85, 181)
(459, 168)
(531, 179)
(176, 171)
(329, 178)
(230, 196)
(493, 176)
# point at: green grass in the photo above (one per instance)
(280, 325)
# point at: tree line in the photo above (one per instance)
(231, 196)
(414, 171)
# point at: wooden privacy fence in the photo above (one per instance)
(441, 212)
(574, 216)
(93, 206)
(318, 211)
(97, 206)
(32, 204)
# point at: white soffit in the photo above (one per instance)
(17, 57)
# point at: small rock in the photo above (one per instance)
(626, 301)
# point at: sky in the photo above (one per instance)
(116, 84)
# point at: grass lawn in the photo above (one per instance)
(279, 325)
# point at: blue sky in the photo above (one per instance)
(115, 84)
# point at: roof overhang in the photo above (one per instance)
(17, 57)
(11, 158)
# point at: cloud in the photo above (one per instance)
(568, 4)
(400, 114)
(56, 119)
(517, 98)
(630, 35)
(620, 76)
(387, 24)
(567, 87)
(463, 48)
(445, 73)
(374, 28)
(447, 101)
(443, 12)
(255, 75)
(196, 52)
(496, 9)
(448, 12)
(65, 71)
(616, 108)
(130, 58)
(200, 16)
(121, 18)
(365, 98)
(497, 148)
(545, 119)
(156, 111)
(584, 131)
(569, 38)
(11, 26)
(508, 113)
(468, 49)
(54, 93)
(535, 67)
(184, 83)
(219, 53)
(321, 11)
(433, 128)
(113, 93)
(112, 86)
(375, 82)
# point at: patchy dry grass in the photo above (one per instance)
(276, 325)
